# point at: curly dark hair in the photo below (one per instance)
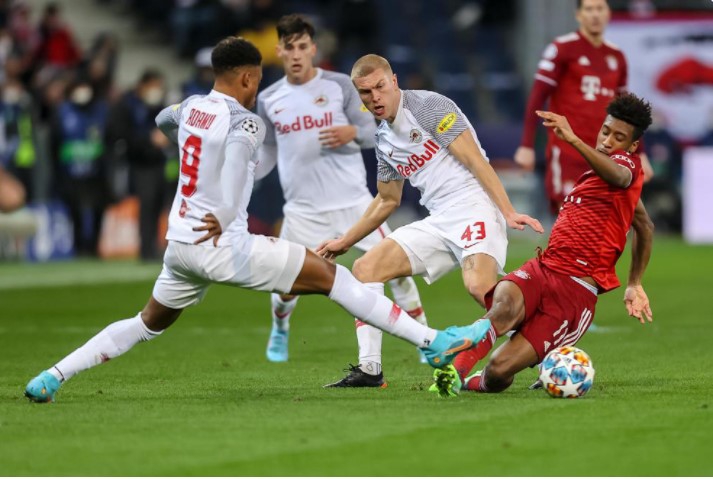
(293, 26)
(234, 52)
(632, 110)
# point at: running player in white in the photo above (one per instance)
(209, 241)
(425, 138)
(315, 129)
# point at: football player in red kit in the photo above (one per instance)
(549, 301)
(580, 73)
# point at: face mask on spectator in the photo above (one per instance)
(153, 96)
(82, 95)
(11, 96)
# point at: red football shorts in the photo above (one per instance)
(558, 310)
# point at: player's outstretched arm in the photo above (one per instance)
(635, 299)
(387, 199)
(608, 170)
(465, 150)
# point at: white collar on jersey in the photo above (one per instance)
(221, 95)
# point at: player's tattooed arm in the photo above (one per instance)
(635, 299)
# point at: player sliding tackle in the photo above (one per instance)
(209, 241)
(549, 301)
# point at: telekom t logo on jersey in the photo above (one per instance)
(416, 161)
(305, 122)
(591, 87)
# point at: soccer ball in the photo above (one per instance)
(567, 372)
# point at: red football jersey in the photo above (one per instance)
(586, 78)
(590, 232)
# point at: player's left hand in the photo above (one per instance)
(559, 125)
(330, 249)
(518, 221)
(213, 228)
(337, 136)
(637, 304)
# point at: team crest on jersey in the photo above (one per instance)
(612, 62)
(250, 126)
(321, 100)
(447, 122)
(415, 136)
(584, 61)
(521, 274)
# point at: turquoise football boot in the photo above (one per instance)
(277, 346)
(453, 340)
(42, 388)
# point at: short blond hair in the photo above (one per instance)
(368, 64)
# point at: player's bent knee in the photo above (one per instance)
(498, 376)
(365, 270)
(158, 317)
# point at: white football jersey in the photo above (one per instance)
(415, 147)
(315, 178)
(206, 125)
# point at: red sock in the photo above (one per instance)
(465, 361)
(476, 383)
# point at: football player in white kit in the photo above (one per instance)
(208, 239)
(425, 138)
(315, 129)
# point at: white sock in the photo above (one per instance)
(112, 341)
(369, 339)
(377, 310)
(281, 311)
(406, 295)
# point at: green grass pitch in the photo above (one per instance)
(203, 400)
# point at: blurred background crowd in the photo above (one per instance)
(81, 82)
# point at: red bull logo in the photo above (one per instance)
(305, 122)
(416, 161)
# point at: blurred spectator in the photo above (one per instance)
(57, 47)
(132, 121)
(202, 80)
(77, 149)
(26, 36)
(100, 64)
(17, 148)
(194, 24)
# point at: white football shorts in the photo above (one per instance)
(261, 263)
(439, 243)
(311, 229)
